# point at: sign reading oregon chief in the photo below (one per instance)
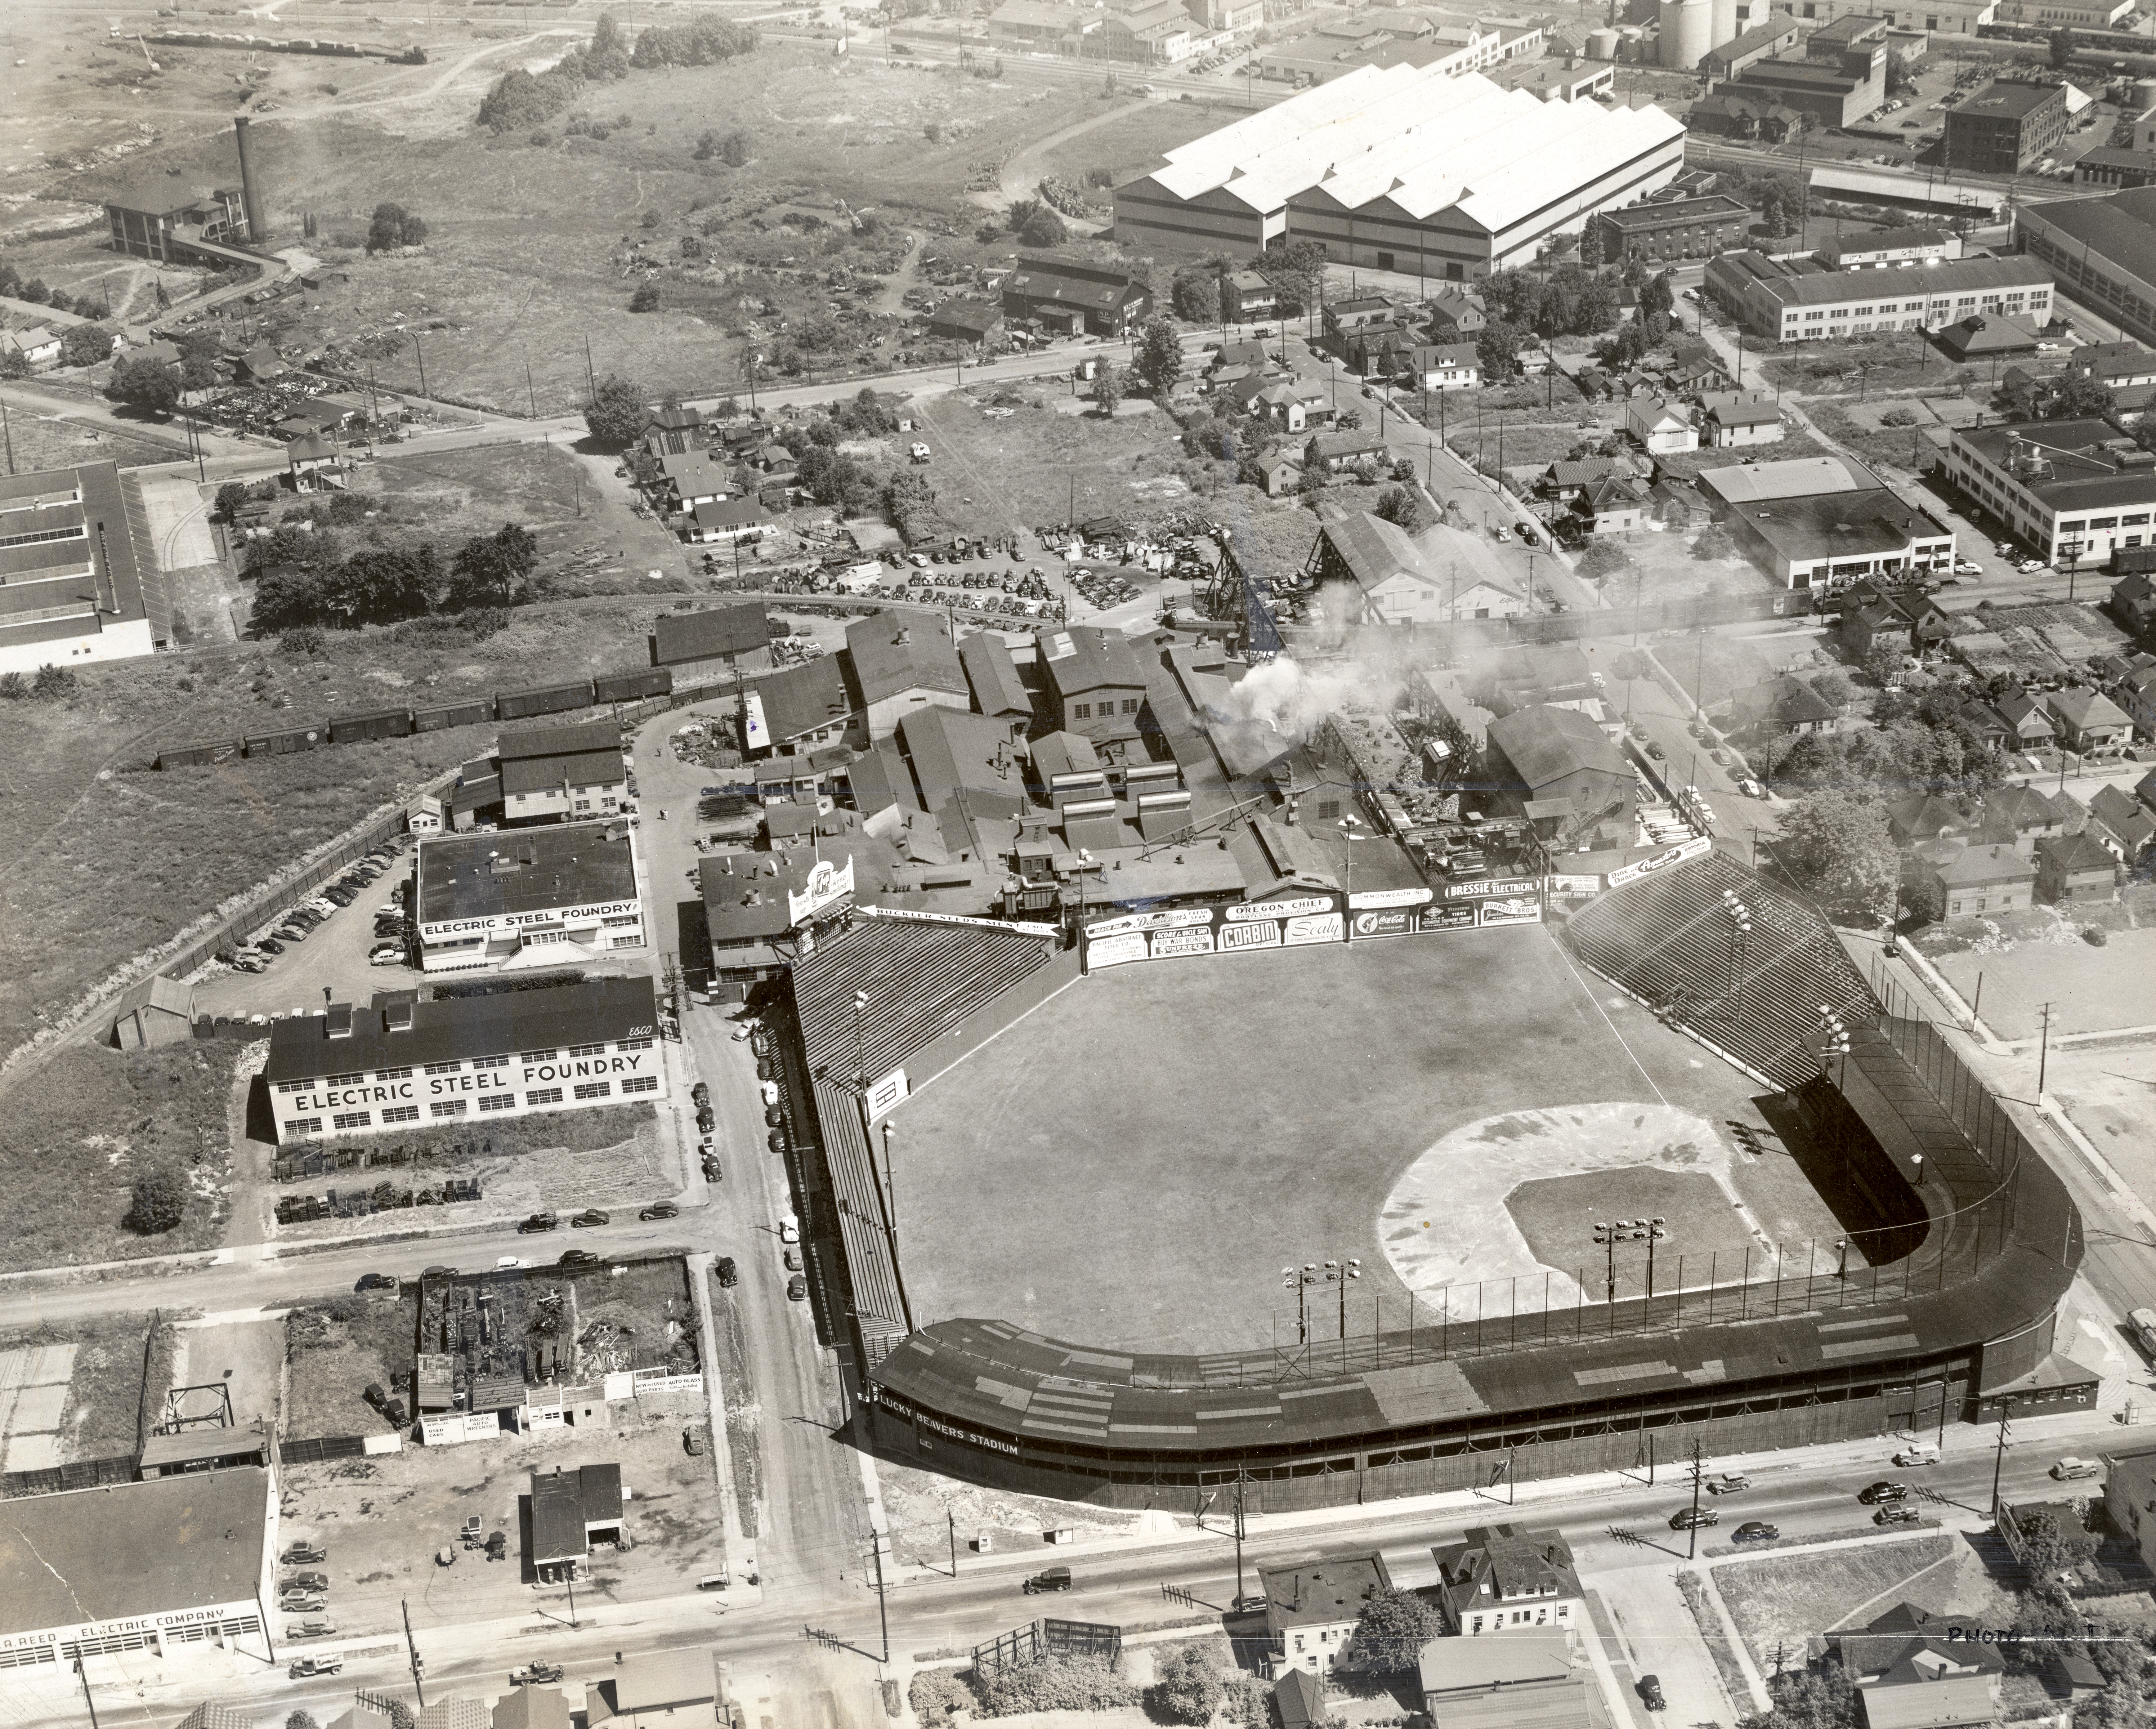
(1180, 930)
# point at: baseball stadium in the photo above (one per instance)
(1340, 1207)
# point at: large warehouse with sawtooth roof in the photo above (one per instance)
(1404, 168)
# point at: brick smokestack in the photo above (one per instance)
(250, 195)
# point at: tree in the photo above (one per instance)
(1157, 356)
(1188, 1685)
(1044, 228)
(645, 299)
(1713, 542)
(230, 497)
(1195, 294)
(1597, 307)
(302, 1720)
(2080, 395)
(393, 226)
(400, 1715)
(1392, 1630)
(54, 682)
(934, 1693)
(1497, 348)
(491, 570)
(84, 345)
(158, 1203)
(1590, 247)
(1602, 558)
(145, 383)
(1833, 685)
(1073, 1683)
(617, 413)
(1397, 505)
(2061, 48)
(1901, 82)
(1837, 846)
(1108, 389)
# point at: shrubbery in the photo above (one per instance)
(1071, 1682)
(159, 1202)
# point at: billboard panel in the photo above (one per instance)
(1180, 930)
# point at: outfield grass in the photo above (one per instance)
(1131, 1165)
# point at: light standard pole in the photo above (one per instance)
(1299, 1280)
(1999, 1456)
(1340, 1274)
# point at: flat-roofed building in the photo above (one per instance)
(1824, 521)
(138, 1567)
(1672, 227)
(75, 588)
(1311, 1608)
(2104, 251)
(1776, 33)
(1799, 302)
(2073, 489)
(2005, 127)
(1404, 168)
(538, 897)
(174, 224)
(367, 1070)
(1528, 1679)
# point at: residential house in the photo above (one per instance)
(1457, 314)
(1249, 296)
(1694, 367)
(2028, 722)
(1311, 1608)
(694, 477)
(1925, 821)
(1292, 405)
(1566, 481)
(1930, 1684)
(673, 430)
(1093, 683)
(649, 1689)
(313, 461)
(1240, 357)
(1662, 428)
(733, 520)
(2089, 722)
(1344, 317)
(2134, 602)
(1280, 471)
(528, 1708)
(2123, 825)
(1341, 450)
(2075, 867)
(1787, 705)
(259, 364)
(1531, 1678)
(2019, 816)
(1610, 507)
(1986, 723)
(1981, 880)
(37, 345)
(1504, 1578)
(2112, 364)
(1441, 366)
(1905, 621)
(1733, 418)
(2136, 693)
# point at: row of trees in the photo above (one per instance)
(518, 99)
(382, 584)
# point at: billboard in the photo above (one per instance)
(1465, 907)
(1181, 930)
(1698, 847)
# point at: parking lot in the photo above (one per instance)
(331, 965)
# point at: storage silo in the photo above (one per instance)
(2143, 98)
(1602, 45)
(1725, 24)
(1687, 28)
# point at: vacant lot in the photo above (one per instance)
(76, 1393)
(1003, 1153)
(1043, 461)
(335, 1350)
(84, 1123)
(1793, 1598)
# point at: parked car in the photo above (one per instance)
(306, 1582)
(692, 1440)
(439, 1273)
(1882, 1490)
(590, 1216)
(771, 1092)
(661, 1209)
(389, 955)
(2144, 1323)
(1694, 1518)
(1655, 750)
(304, 1666)
(1755, 1531)
(377, 1281)
(797, 1290)
(791, 1258)
(1055, 1578)
(506, 1263)
(790, 1229)
(1726, 1483)
(1650, 1692)
(270, 945)
(701, 1093)
(300, 1554)
(577, 1258)
(538, 1222)
(1896, 1515)
(726, 1272)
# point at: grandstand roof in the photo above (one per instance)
(1418, 139)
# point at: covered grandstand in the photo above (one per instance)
(1400, 168)
(1940, 1301)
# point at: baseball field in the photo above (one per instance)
(1135, 1164)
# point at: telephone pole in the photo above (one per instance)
(418, 1668)
(1999, 1456)
(2044, 1056)
(1699, 1472)
(883, 1608)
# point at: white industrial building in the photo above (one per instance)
(72, 587)
(530, 897)
(1399, 169)
(400, 1063)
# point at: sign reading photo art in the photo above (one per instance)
(1215, 929)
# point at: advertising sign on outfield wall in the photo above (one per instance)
(1183, 930)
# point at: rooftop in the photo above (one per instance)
(193, 1541)
(2064, 464)
(893, 654)
(1322, 1593)
(483, 876)
(1798, 477)
(1085, 657)
(804, 699)
(2002, 100)
(1844, 524)
(573, 739)
(1946, 276)
(1675, 212)
(599, 1009)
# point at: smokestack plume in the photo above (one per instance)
(250, 195)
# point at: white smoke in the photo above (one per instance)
(1295, 699)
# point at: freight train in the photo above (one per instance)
(403, 722)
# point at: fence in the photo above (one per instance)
(1037, 1639)
(326, 1448)
(83, 1474)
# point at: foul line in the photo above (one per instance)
(1605, 1014)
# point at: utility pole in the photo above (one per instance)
(7, 431)
(1698, 1473)
(82, 1669)
(420, 355)
(591, 379)
(532, 394)
(1241, 1532)
(883, 1609)
(950, 1520)
(418, 1669)
(2043, 1055)
(1999, 1456)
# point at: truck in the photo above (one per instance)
(534, 1675)
(1055, 1578)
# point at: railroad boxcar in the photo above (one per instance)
(633, 686)
(544, 699)
(375, 723)
(476, 713)
(197, 756)
(290, 739)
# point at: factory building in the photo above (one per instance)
(177, 224)
(72, 587)
(138, 1567)
(1401, 169)
(562, 774)
(2104, 250)
(2068, 486)
(1797, 301)
(535, 897)
(401, 1062)
(1825, 523)
(2004, 128)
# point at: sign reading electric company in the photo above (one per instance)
(590, 914)
(130, 1624)
(1291, 923)
(511, 1076)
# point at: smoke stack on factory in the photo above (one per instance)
(251, 185)
(176, 224)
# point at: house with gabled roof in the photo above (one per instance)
(2019, 815)
(1981, 880)
(2075, 867)
(2088, 720)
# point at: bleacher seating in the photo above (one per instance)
(1668, 938)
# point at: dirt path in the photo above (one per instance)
(1022, 172)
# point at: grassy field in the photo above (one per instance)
(101, 1415)
(1134, 143)
(1894, 447)
(335, 1351)
(1796, 1598)
(991, 475)
(1884, 361)
(79, 1127)
(44, 438)
(1046, 1124)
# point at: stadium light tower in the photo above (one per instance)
(1740, 941)
(861, 1062)
(1834, 1040)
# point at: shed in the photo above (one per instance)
(158, 1011)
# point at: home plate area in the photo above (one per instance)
(1499, 1216)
